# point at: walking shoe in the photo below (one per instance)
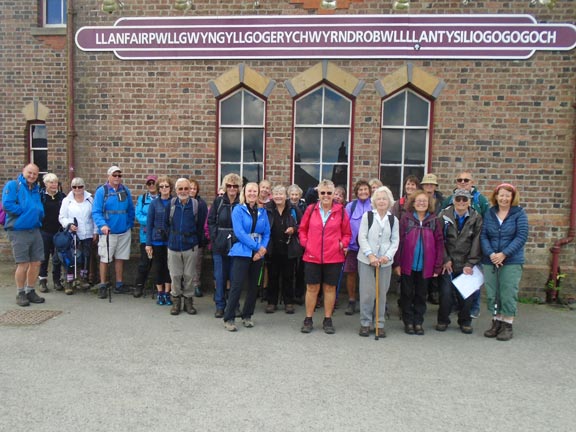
(230, 326)
(138, 291)
(409, 329)
(364, 331)
(441, 327)
(189, 305)
(58, 286)
(270, 308)
(248, 323)
(102, 291)
(289, 309)
(505, 332)
(381, 332)
(167, 299)
(418, 330)
(176, 305)
(219, 313)
(493, 331)
(21, 299)
(351, 308)
(43, 286)
(161, 299)
(84, 283)
(121, 289)
(68, 289)
(33, 297)
(198, 292)
(474, 314)
(307, 326)
(466, 329)
(328, 326)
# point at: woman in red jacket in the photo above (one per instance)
(325, 234)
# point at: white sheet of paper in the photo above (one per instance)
(468, 284)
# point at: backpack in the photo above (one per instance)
(2, 211)
(371, 221)
(64, 245)
(430, 224)
(173, 209)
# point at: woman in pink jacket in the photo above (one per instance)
(325, 234)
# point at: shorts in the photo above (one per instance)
(351, 263)
(119, 247)
(27, 245)
(328, 274)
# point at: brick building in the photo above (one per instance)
(78, 112)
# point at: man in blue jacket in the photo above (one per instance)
(185, 235)
(113, 213)
(24, 214)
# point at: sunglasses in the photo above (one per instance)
(325, 193)
(183, 189)
(117, 175)
(233, 186)
(78, 187)
(461, 199)
(463, 180)
(150, 183)
(164, 186)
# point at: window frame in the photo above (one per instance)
(30, 147)
(44, 14)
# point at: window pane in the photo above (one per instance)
(55, 12)
(40, 158)
(306, 176)
(253, 172)
(309, 109)
(417, 171)
(338, 173)
(253, 145)
(417, 111)
(415, 147)
(393, 114)
(230, 145)
(307, 145)
(230, 110)
(391, 177)
(335, 145)
(391, 146)
(229, 168)
(336, 109)
(253, 110)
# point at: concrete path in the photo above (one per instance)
(130, 366)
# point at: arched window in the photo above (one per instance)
(242, 116)
(405, 138)
(322, 136)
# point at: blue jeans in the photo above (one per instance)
(222, 270)
(244, 270)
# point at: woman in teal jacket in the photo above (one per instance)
(252, 231)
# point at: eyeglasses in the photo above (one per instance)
(463, 180)
(183, 189)
(164, 186)
(78, 187)
(150, 183)
(232, 186)
(461, 199)
(325, 193)
(117, 175)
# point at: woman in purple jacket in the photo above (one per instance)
(418, 258)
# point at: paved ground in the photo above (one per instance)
(130, 366)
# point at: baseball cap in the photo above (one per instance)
(151, 177)
(113, 169)
(462, 193)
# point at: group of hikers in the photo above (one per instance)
(289, 247)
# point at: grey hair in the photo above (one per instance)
(50, 177)
(294, 188)
(279, 189)
(382, 190)
(77, 181)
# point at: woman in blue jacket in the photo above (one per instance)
(252, 231)
(503, 237)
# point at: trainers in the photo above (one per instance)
(21, 299)
(307, 326)
(161, 299)
(351, 308)
(328, 326)
(248, 323)
(58, 286)
(102, 291)
(441, 327)
(230, 326)
(198, 292)
(219, 313)
(474, 314)
(43, 286)
(34, 298)
(167, 299)
(364, 331)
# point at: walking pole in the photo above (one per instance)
(75, 257)
(109, 275)
(377, 312)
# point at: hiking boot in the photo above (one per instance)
(43, 286)
(176, 305)
(307, 326)
(328, 326)
(441, 327)
(466, 329)
(493, 331)
(289, 309)
(138, 291)
(84, 284)
(219, 313)
(351, 308)
(189, 305)
(167, 299)
(121, 289)
(248, 323)
(409, 329)
(161, 299)
(230, 326)
(364, 331)
(270, 309)
(102, 291)
(58, 286)
(418, 330)
(68, 289)
(34, 298)
(381, 332)
(198, 292)
(505, 332)
(21, 299)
